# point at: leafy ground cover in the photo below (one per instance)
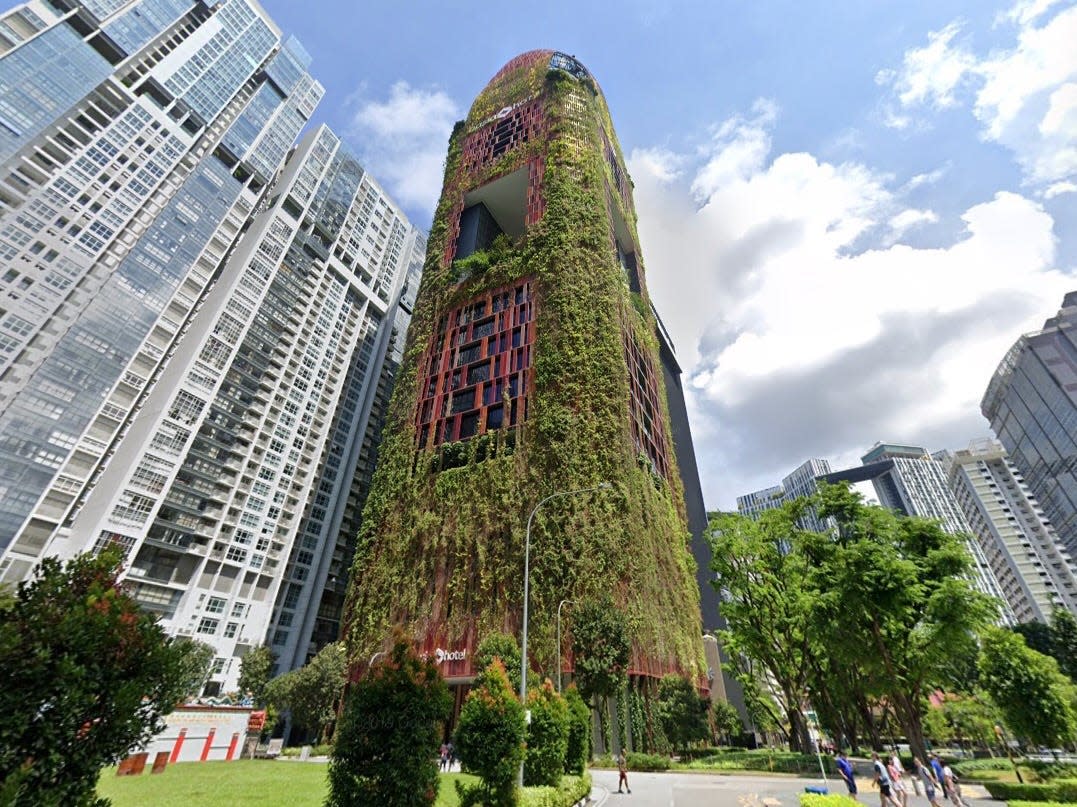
(245, 783)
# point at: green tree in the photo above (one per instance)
(88, 676)
(1064, 641)
(578, 748)
(1033, 696)
(197, 657)
(547, 736)
(895, 594)
(255, 671)
(312, 692)
(504, 647)
(490, 739)
(682, 711)
(1037, 635)
(601, 648)
(766, 605)
(390, 725)
(727, 721)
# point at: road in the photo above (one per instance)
(716, 790)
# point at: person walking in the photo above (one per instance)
(953, 787)
(443, 755)
(897, 782)
(936, 767)
(845, 770)
(622, 769)
(882, 779)
(927, 776)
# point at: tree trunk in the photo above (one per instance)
(799, 737)
(908, 714)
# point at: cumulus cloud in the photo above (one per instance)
(1024, 95)
(403, 140)
(803, 329)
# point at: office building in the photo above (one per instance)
(532, 371)
(1034, 570)
(801, 483)
(1031, 403)
(912, 482)
(194, 328)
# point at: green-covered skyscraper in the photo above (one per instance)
(532, 367)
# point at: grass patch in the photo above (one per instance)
(245, 783)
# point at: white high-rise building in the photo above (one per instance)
(137, 138)
(908, 480)
(800, 483)
(194, 337)
(1033, 568)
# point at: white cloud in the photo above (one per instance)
(907, 219)
(1025, 96)
(798, 341)
(403, 140)
(931, 74)
(1058, 189)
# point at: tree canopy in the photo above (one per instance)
(313, 691)
(601, 648)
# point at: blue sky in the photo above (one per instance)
(848, 210)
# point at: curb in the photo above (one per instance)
(598, 796)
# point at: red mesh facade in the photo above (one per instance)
(512, 127)
(477, 370)
(647, 430)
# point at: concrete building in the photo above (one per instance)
(1033, 568)
(800, 483)
(910, 481)
(198, 390)
(1031, 403)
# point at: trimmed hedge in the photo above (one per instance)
(647, 762)
(1042, 804)
(831, 800)
(1050, 771)
(1064, 790)
(782, 761)
(571, 790)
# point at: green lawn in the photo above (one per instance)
(245, 783)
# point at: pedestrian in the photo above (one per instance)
(443, 755)
(882, 779)
(622, 769)
(452, 755)
(897, 783)
(936, 767)
(927, 776)
(845, 769)
(953, 787)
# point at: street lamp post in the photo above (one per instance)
(527, 591)
(563, 602)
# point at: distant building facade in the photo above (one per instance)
(910, 481)
(1031, 403)
(800, 483)
(1035, 571)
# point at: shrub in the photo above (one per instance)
(1007, 791)
(578, 748)
(1065, 790)
(1049, 771)
(831, 800)
(569, 791)
(547, 736)
(1041, 804)
(87, 676)
(646, 762)
(504, 647)
(383, 749)
(490, 740)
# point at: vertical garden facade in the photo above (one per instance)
(532, 368)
